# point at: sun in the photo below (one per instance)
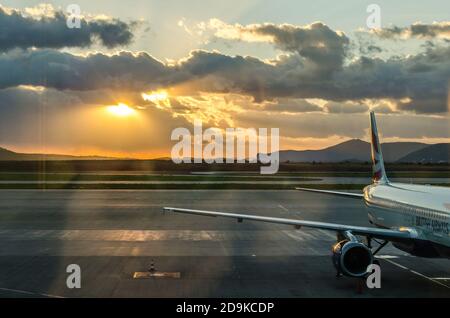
(121, 110)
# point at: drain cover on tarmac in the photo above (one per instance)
(155, 274)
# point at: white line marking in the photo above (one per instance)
(29, 293)
(417, 273)
(386, 256)
(294, 236)
(283, 208)
(327, 234)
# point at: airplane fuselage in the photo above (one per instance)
(426, 209)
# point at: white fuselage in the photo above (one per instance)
(426, 209)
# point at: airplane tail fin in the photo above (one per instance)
(379, 174)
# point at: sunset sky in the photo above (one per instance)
(136, 70)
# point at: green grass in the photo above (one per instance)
(298, 176)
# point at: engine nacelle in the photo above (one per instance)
(352, 258)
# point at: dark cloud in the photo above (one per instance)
(420, 30)
(370, 49)
(50, 31)
(24, 98)
(424, 104)
(421, 78)
(317, 43)
(322, 49)
(60, 70)
(420, 81)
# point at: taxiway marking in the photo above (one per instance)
(29, 292)
(416, 273)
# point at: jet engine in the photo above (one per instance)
(352, 258)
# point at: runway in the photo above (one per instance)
(111, 234)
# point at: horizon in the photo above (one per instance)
(167, 157)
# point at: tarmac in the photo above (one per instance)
(111, 234)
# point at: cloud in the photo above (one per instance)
(424, 104)
(74, 122)
(26, 95)
(346, 108)
(286, 105)
(370, 49)
(382, 109)
(419, 83)
(422, 78)
(418, 30)
(34, 117)
(321, 46)
(223, 90)
(61, 70)
(47, 28)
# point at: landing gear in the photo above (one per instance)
(360, 283)
(381, 244)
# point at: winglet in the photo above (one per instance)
(379, 173)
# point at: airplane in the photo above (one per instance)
(414, 218)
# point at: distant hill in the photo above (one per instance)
(6, 154)
(431, 154)
(352, 150)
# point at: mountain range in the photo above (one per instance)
(354, 150)
(6, 154)
(358, 150)
(431, 153)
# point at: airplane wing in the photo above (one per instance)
(344, 194)
(385, 234)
